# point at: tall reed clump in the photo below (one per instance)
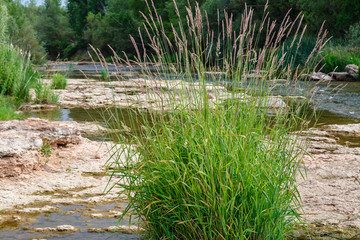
(212, 164)
(17, 73)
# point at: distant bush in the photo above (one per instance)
(104, 75)
(353, 35)
(336, 58)
(58, 81)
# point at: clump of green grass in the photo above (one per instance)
(214, 169)
(58, 81)
(8, 109)
(104, 75)
(17, 73)
(44, 94)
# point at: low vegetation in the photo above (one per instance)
(58, 81)
(17, 73)
(223, 169)
(8, 109)
(335, 58)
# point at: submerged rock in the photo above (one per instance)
(62, 228)
(121, 228)
(341, 76)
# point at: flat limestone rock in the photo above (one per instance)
(21, 142)
(330, 192)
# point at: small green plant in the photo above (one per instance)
(44, 94)
(58, 81)
(104, 75)
(46, 148)
(353, 35)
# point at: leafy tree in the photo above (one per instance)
(54, 30)
(21, 29)
(113, 28)
(338, 15)
(78, 11)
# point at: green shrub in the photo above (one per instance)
(353, 35)
(212, 167)
(58, 81)
(104, 75)
(297, 55)
(8, 109)
(337, 57)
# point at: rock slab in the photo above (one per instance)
(21, 142)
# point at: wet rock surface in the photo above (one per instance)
(65, 187)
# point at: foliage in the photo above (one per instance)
(17, 73)
(44, 94)
(297, 54)
(353, 35)
(46, 148)
(58, 81)
(337, 15)
(113, 28)
(21, 29)
(337, 57)
(8, 109)
(78, 12)
(212, 170)
(54, 30)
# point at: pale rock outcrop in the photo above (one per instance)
(21, 141)
(352, 70)
(330, 191)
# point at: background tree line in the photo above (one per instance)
(55, 31)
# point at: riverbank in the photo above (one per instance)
(48, 168)
(74, 175)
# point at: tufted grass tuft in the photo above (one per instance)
(205, 163)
